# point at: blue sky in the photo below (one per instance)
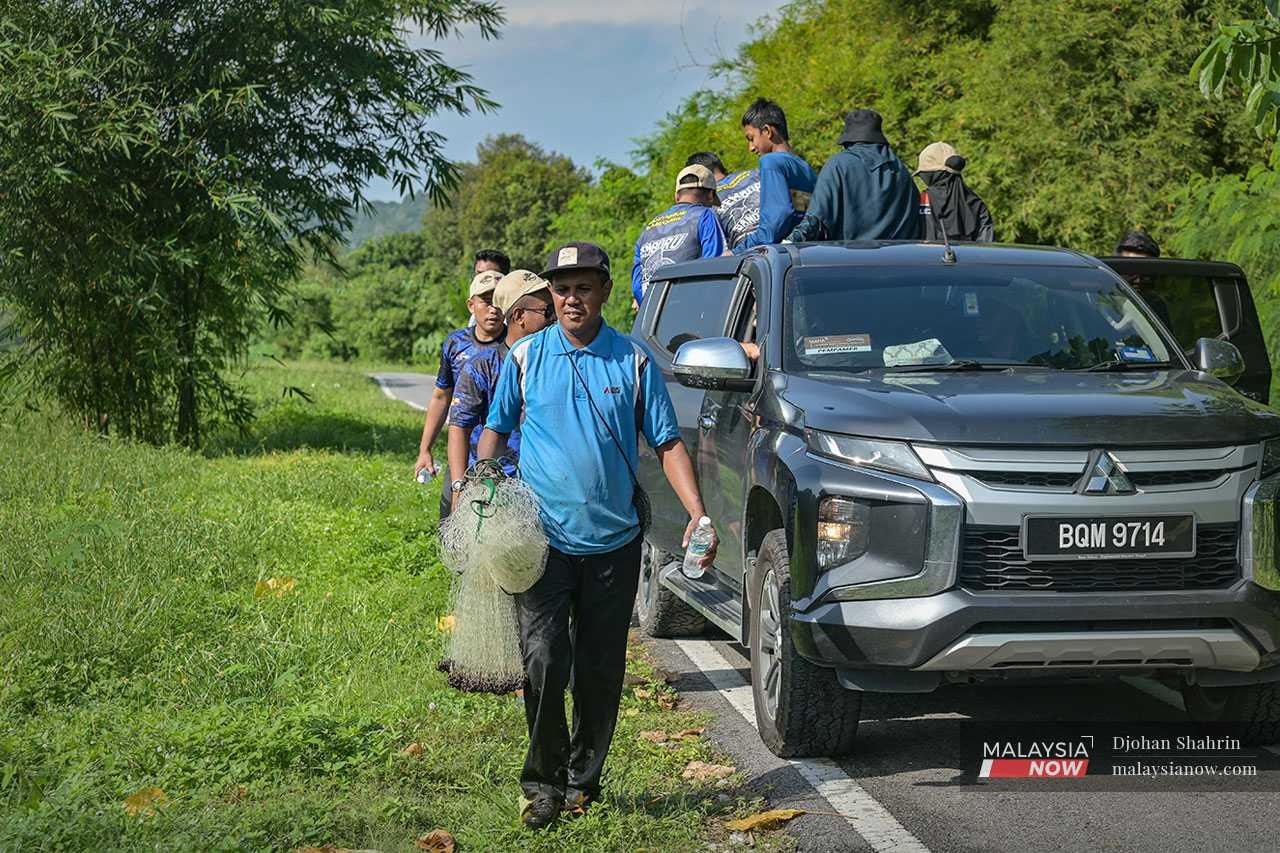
(586, 77)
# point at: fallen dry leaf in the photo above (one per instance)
(700, 771)
(654, 737)
(238, 793)
(279, 587)
(145, 802)
(668, 701)
(445, 623)
(763, 821)
(689, 734)
(413, 750)
(631, 680)
(643, 693)
(436, 841)
(666, 675)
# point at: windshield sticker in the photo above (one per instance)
(828, 344)
(971, 304)
(1128, 353)
(929, 351)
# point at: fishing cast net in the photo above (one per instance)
(495, 545)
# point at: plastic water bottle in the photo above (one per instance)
(425, 476)
(699, 542)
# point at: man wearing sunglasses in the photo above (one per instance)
(524, 299)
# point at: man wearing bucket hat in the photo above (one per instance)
(524, 299)
(686, 231)
(582, 395)
(947, 203)
(864, 192)
(457, 349)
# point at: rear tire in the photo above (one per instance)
(801, 709)
(662, 613)
(1252, 711)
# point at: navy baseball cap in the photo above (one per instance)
(577, 255)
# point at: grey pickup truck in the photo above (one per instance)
(1000, 463)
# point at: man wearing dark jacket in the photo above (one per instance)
(863, 193)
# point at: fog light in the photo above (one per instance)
(843, 530)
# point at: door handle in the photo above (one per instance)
(707, 421)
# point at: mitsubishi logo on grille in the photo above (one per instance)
(1104, 476)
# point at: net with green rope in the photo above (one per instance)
(495, 546)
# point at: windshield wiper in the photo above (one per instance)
(1116, 366)
(958, 364)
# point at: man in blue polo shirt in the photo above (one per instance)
(581, 394)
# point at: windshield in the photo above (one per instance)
(1064, 318)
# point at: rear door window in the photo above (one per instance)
(692, 309)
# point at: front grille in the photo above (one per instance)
(1028, 479)
(1067, 480)
(992, 560)
(1149, 479)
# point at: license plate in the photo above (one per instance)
(1058, 537)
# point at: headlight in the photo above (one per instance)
(844, 527)
(1270, 457)
(891, 456)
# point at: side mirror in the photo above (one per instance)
(714, 364)
(1219, 359)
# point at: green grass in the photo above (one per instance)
(134, 652)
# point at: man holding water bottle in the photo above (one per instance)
(582, 395)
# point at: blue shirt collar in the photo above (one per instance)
(601, 345)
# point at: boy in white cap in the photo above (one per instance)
(457, 349)
(686, 231)
(524, 298)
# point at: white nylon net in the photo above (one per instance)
(495, 545)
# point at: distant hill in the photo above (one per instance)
(388, 217)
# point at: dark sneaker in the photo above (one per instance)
(577, 802)
(539, 812)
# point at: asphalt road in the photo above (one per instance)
(913, 784)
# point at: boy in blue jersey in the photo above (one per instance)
(454, 353)
(582, 396)
(686, 231)
(525, 302)
(786, 181)
(739, 193)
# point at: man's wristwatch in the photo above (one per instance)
(457, 485)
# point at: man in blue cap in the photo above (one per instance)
(582, 395)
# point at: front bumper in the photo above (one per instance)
(912, 633)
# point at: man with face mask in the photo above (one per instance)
(946, 203)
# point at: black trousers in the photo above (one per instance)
(575, 620)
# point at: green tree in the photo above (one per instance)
(609, 212)
(1246, 55)
(511, 196)
(166, 167)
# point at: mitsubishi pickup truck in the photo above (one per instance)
(992, 464)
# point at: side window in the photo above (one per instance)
(692, 309)
(1187, 304)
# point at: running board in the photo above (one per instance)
(721, 607)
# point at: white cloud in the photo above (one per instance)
(550, 13)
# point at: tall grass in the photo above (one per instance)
(140, 647)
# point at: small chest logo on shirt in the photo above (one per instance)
(612, 389)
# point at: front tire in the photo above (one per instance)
(1251, 710)
(662, 613)
(801, 709)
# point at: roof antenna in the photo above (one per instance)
(948, 253)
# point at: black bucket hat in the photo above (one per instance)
(863, 126)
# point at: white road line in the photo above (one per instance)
(866, 816)
(387, 391)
